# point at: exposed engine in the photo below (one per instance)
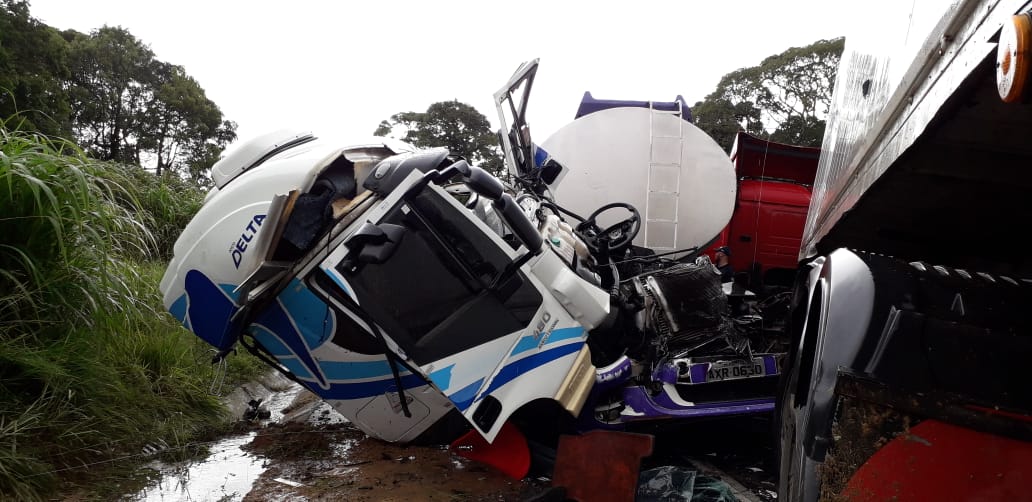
(667, 309)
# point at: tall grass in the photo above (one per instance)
(91, 367)
(57, 223)
(166, 204)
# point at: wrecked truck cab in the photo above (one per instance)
(409, 289)
(354, 271)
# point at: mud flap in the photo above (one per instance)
(508, 453)
(939, 461)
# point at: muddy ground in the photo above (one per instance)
(317, 457)
(339, 462)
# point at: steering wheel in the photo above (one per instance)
(619, 235)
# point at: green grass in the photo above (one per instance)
(166, 204)
(92, 368)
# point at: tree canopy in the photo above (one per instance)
(33, 72)
(451, 124)
(109, 93)
(787, 93)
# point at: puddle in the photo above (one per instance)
(343, 448)
(278, 401)
(227, 474)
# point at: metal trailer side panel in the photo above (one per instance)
(888, 88)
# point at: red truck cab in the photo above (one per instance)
(774, 186)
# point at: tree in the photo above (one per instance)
(722, 119)
(791, 92)
(182, 128)
(112, 82)
(205, 153)
(33, 68)
(798, 130)
(131, 107)
(451, 124)
(108, 92)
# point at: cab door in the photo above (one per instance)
(447, 297)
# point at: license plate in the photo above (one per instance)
(731, 370)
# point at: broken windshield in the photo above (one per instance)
(432, 296)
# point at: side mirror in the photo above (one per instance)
(518, 222)
(374, 243)
(483, 183)
(460, 167)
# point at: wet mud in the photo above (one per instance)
(306, 451)
(341, 463)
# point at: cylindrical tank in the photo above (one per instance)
(679, 179)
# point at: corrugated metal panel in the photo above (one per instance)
(894, 75)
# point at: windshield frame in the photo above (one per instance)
(519, 158)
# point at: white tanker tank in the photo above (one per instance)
(647, 154)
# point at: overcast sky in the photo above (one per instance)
(338, 68)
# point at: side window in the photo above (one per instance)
(433, 295)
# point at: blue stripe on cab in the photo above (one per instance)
(464, 396)
(178, 308)
(230, 290)
(210, 311)
(271, 342)
(529, 342)
(276, 320)
(526, 343)
(339, 282)
(368, 389)
(351, 370)
(514, 369)
(565, 334)
(295, 367)
(310, 314)
(442, 377)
